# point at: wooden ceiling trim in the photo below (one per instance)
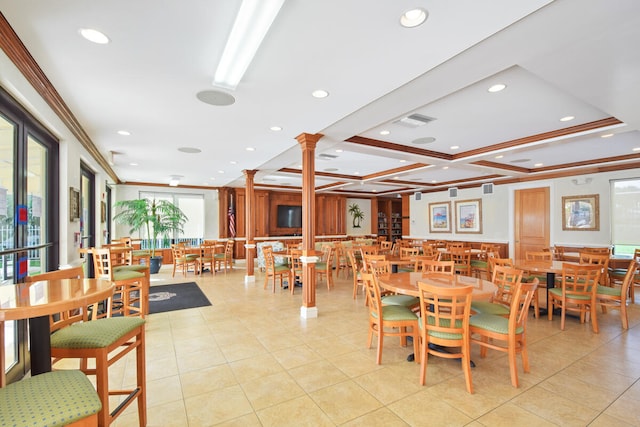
(16, 51)
(360, 140)
(402, 169)
(497, 165)
(584, 127)
(622, 158)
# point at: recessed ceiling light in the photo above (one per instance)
(606, 135)
(499, 156)
(396, 177)
(215, 97)
(384, 132)
(190, 150)
(338, 151)
(425, 140)
(445, 167)
(213, 178)
(497, 88)
(233, 162)
(567, 118)
(454, 147)
(636, 149)
(433, 181)
(275, 128)
(537, 165)
(356, 173)
(403, 161)
(133, 164)
(220, 171)
(414, 17)
(124, 132)
(320, 93)
(250, 149)
(94, 36)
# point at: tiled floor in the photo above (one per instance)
(250, 360)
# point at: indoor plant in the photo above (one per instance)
(156, 217)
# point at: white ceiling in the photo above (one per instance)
(557, 58)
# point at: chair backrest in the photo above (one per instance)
(538, 256)
(367, 259)
(369, 249)
(450, 245)
(444, 312)
(385, 246)
(506, 280)
(600, 259)
(408, 252)
(493, 262)
(600, 251)
(580, 279)
(228, 249)
(628, 280)
(379, 267)
(418, 265)
(461, 255)
(519, 312)
(62, 319)
(269, 262)
(428, 249)
(102, 266)
(296, 262)
(329, 253)
(373, 297)
(208, 248)
(440, 267)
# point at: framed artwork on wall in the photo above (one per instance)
(440, 217)
(469, 216)
(74, 204)
(581, 213)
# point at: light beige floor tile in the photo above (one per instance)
(508, 415)
(255, 367)
(626, 409)
(378, 418)
(293, 357)
(555, 408)
(299, 412)
(272, 389)
(217, 406)
(207, 380)
(421, 409)
(386, 386)
(345, 401)
(317, 375)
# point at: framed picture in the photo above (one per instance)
(469, 216)
(440, 217)
(103, 212)
(74, 204)
(581, 213)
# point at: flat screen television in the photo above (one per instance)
(289, 216)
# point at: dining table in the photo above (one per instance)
(38, 300)
(550, 268)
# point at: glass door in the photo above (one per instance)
(87, 213)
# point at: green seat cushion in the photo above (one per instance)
(607, 290)
(404, 300)
(558, 292)
(127, 274)
(542, 278)
(443, 323)
(405, 269)
(321, 265)
(94, 334)
(396, 313)
(486, 307)
(280, 268)
(141, 253)
(218, 256)
(51, 399)
(479, 263)
(493, 323)
(134, 267)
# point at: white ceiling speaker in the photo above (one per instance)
(487, 188)
(417, 195)
(453, 192)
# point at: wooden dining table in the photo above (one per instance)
(550, 268)
(407, 283)
(38, 300)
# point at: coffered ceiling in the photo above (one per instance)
(408, 108)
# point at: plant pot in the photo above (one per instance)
(155, 263)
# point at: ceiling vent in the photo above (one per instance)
(327, 156)
(417, 195)
(414, 120)
(487, 188)
(453, 192)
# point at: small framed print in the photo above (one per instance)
(74, 204)
(469, 216)
(581, 213)
(440, 217)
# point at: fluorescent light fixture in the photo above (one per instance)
(249, 29)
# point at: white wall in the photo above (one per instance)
(498, 208)
(365, 223)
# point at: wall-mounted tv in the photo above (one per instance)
(289, 216)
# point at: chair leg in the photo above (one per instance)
(142, 379)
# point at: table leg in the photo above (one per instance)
(40, 336)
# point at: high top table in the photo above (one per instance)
(38, 300)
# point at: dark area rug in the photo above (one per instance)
(176, 297)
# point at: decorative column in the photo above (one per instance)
(250, 226)
(309, 258)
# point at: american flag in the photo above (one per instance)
(232, 221)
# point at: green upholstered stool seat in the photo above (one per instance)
(396, 312)
(127, 274)
(95, 334)
(134, 267)
(280, 268)
(52, 399)
(486, 307)
(403, 300)
(607, 290)
(558, 292)
(491, 322)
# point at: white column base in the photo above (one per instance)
(308, 312)
(249, 279)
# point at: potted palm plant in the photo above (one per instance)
(155, 217)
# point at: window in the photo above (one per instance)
(625, 215)
(193, 207)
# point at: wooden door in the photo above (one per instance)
(531, 220)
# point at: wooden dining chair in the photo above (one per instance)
(182, 260)
(355, 269)
(506, 280)
(618, 296)
(506, 334)
(225, 259)
(207, 252)
(461, 257)
(601, 259)
(419, 260)
(440, 267)
(388, 320)
(274, 271)
(325, 268)
(617, 275)
(577, 293)
(296, 269)
(444, 324)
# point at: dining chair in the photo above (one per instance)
(131, 294)
(440, 267)
(385, 247)
(444, 326)
(382, 267)
(182, 260)
(342, 261)
(480, 264)
(388, 320)
(296, 268)
(617, 275)
(60, 398)
(355, 269)
(325, 268)
(577, 293)
(418, 265)
(461, 257)
(504, 334)
(408, 253)
(81, 335)
(541, 256)
(225, 259)
(207, 252)
(618, 296)
(495, 261)
(273, 271)
(601, 259)
(505, 279)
